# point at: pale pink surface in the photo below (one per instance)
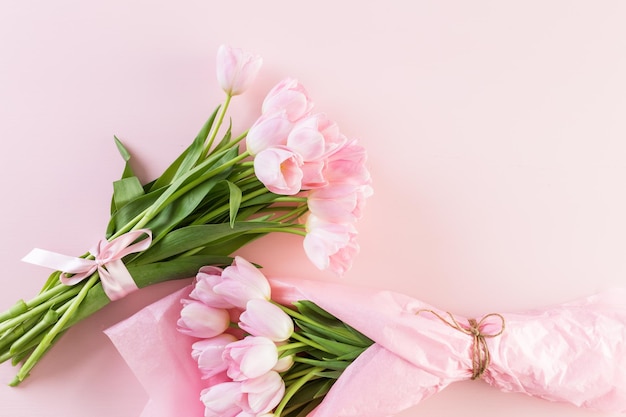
(495, 132)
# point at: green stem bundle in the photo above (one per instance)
(207, 204)
(322, 347)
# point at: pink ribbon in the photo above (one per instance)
(116, 280)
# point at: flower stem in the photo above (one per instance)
(216, 126)
(48, 339)
(244, 175)
(291, 199)
(52, 292)
(294, 388)
(155, 209)
(310, 342)
(290, 346)
(239, 138)
(288, 378)
(69, 292)
(294, 214)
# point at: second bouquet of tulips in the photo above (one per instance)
(216, 197)
(239, 344)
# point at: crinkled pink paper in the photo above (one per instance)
(574, 352)
(160, 357)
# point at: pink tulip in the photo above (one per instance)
(208, 354)
(262, 318)
(338, 202)
(313, 175)
(250, 358)
(218, 379)
(341, 261)
(307, 140)
(315, 137)
(347, 165)
(199, 320)
(262, 394)
(284, 364)
(333, 138)
(289, 96)
(236, 69)
(279, 169)
(330, 245)
(222, 400)
(242, 282)
(268, 131)
(206, 279)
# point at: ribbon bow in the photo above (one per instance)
(116, 280)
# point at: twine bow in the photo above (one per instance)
(116, 280)
(480, 351)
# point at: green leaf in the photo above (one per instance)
(330, 374)
(304, 412)
(131, 210)
(332, 332)
(122, 149)
(127, 173)
(230, 244)
(188, 158)
(126, 190)
(310, 309)
(180, 268)
(267, 198)
(325, 363)
(194, 237)
(179, 209)
(336, 348)
(157, 200)
(211, 168)
(307, 398)
(226, 138)
(234, 200)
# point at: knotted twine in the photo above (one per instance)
(480, 351)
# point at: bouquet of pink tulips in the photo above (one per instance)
(236, 344)
(277, 358)
(213, 199)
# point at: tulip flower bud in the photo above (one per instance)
(200, 320)
(280, 170)
(262, 394)
(206, 279)
(221, 399)
(250, 358)
(242, 282)
(262, 318)
(289, 96)
(236, 69)
(208, 354)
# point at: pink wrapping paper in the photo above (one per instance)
(160, 357)
(574, 352)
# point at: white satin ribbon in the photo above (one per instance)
(116, 280)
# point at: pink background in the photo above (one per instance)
(495, 130)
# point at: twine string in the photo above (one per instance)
(480, 351)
